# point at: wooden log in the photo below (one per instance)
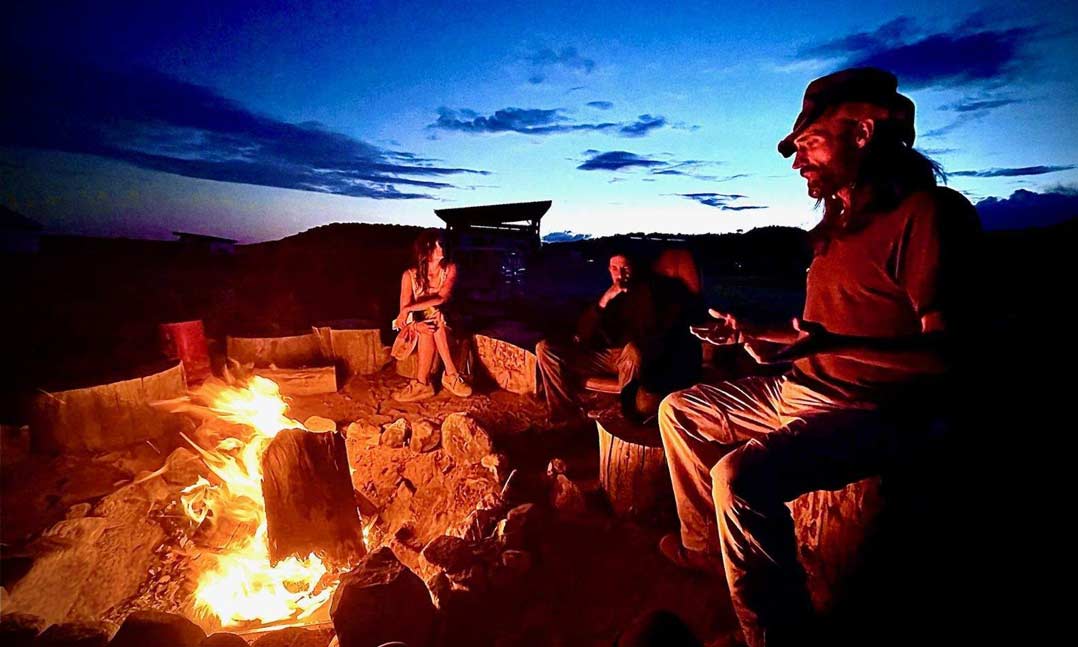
(107, 416)
(283, 352)
(310, 507)
(633, 471)
(831, 529)
(361, 352)
(302, 381)
(511, 367)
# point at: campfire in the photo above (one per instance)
(238, 583)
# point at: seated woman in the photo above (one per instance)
(425, 289)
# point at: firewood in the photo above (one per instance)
(310, 506)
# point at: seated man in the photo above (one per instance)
(884, 322)
(607, 340)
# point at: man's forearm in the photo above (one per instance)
(774, 334)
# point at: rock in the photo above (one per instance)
(379, 601)
(481, 523)
(498, 464)
(520, 528)
(223, 640)
(395, 434)
(464, 439)
(294, 637)
(78, 511)
(319, 424)
(512, 565)
(451, 553)
(363, 433)
(143, 628)
(20, 629)
(555, 467)
(425, 436)
(440, 587)
(75, 634)
(183, 467)
(98, 563)
(566, 497)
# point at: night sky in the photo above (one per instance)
(257, 121)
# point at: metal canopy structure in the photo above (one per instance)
(521, 218)
(492, 245)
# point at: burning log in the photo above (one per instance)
(310, 507)
(632, 469)
(302, 381)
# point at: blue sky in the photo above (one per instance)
(259, 121)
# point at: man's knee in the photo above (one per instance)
(544, 352)
(669, 410)
(739, 476)
(630, 354)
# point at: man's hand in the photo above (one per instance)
(812, 339)
(724, 331)
(611, 292)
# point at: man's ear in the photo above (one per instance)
(863, 131)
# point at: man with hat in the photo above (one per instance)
(878, 337)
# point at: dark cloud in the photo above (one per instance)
(1014, 172)
(157, 122)
(969, 53)
(973, 105)
(617, 160)
(1028, 209)
(721, 201)
(961, 120)
(601, 105)
(567, 57)
(564, 237)
(624, 160)
(642, 126)
(535, 121)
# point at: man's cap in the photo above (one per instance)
(855, 85)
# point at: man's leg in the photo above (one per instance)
(628, 364)
(750, 488)
(698, 426)
(555, 364)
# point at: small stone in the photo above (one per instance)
(395, 434)
(379, 601)
(520, 528)
(74, 634)
(20, 629)
(425, 436)
(78, 511)
(464, 439)
(440, 587)
(143, 628)
(566, 497)
(319, 424)
(224, 640)
(293, 637)
(555, 467)
(364, 433)
(498, 464)
(451, 553)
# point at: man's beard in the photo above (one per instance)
(822, 184)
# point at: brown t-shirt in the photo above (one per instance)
(879, 280)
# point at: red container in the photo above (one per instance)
(186, 341)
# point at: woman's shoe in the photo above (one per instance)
(456, 385)
(413, 392)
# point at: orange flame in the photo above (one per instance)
(240, 586)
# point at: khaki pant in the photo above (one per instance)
(737, 453)
(564, 367)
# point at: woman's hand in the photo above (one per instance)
(401, 321)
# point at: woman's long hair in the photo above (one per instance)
(890, 172)
(422, 248)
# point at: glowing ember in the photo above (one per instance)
(239, 586)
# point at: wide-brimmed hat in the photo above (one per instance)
(855, 85)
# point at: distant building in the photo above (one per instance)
(18, 234)
(492, 245)
(202, 242)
